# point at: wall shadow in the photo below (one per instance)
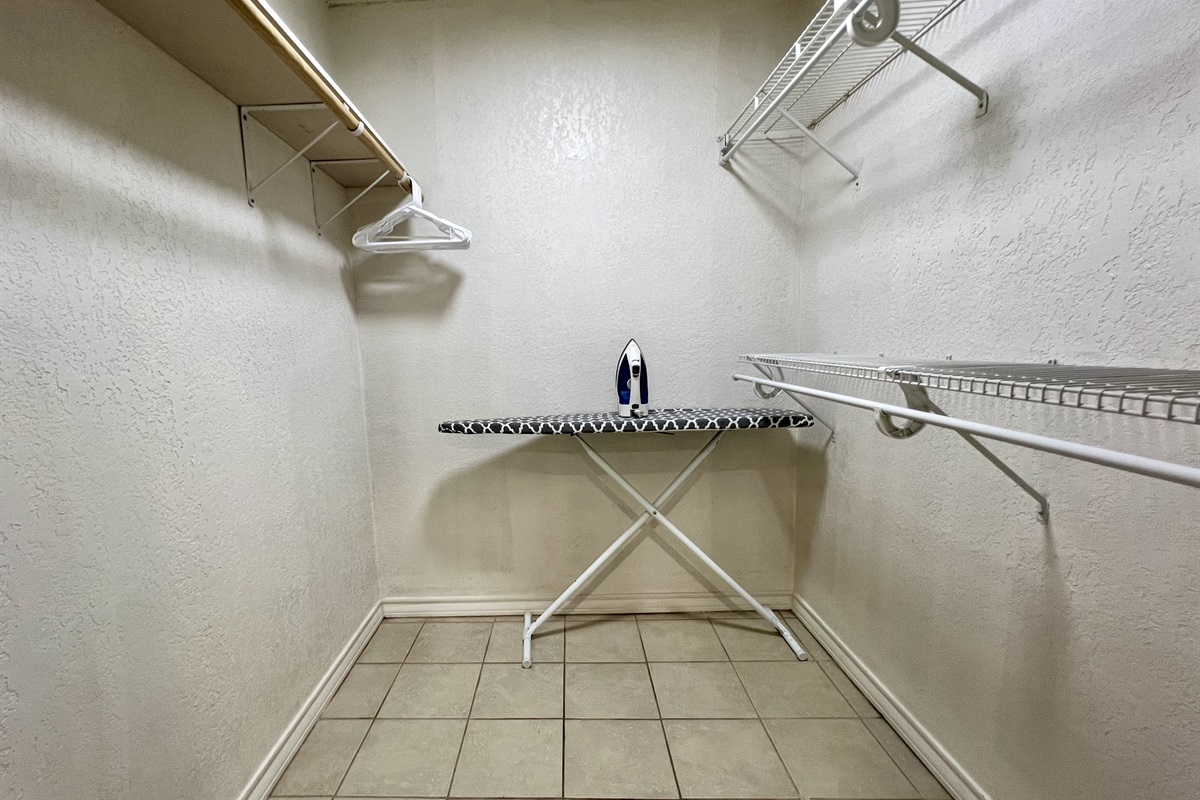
(403, 283)
(812, 476)
(506, 521)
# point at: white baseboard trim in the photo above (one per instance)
(272, 767)
(935, 756)
(648, 603)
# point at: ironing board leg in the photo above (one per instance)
(613, 548)
(652, 510)
(762, 610)
(527, 643)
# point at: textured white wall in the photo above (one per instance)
(577, 141)
(1059, 662)
(185, 538)
(309, 20)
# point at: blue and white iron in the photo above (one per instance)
(633, 390)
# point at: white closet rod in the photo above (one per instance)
(1164, 470)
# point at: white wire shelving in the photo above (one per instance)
(847, 44)
(1164, 394)
(1133, 391)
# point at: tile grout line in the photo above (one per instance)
(857, 715)
(562, 761)
(893, 758)
(467, 722)
(763, 725)
(358, 749)
(383, 699)
(392, 685)
(845, 697)
(725, 650)
(658, 709)
(580, 719)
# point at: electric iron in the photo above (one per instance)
(633, 390)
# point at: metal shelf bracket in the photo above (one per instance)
(877, 22)
(918, 399)
(819, 142)
(768, 392)
(321, 224)
(981, 95)
(244, 113)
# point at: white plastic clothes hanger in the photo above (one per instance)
(377, 238)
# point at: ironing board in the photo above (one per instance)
(667, 420)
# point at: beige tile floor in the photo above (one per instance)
(645, 706)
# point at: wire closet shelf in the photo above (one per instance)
(1164, 394)
(823, 69)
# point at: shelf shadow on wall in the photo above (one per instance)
(408, 283)
(541, 505)
(812, 474)
(770, 173)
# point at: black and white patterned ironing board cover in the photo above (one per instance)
(662, 420)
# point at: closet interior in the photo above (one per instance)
(309, 491)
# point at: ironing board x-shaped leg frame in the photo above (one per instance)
(653, 511)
